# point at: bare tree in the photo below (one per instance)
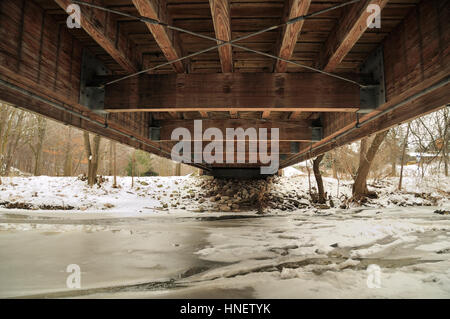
(316, 168)
(366, 159)
(92, 153)
(405, 143)
(36, 148)
(68, 153)
(114, 164)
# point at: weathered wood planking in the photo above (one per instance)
(220, 12)
(349, 30)
(32, 58)
(166, 39)
(299, 131)
(290, 33)
(414, 60)
(99, 25)
(233, 92)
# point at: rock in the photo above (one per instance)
(225, 208)
(442, 212)
(201, 200)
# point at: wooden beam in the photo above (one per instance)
(299, 132)
(290, 33)
(233, 92)
(220, 12)
(166, 39)
(294, 115)
(284, 147)
(350, 27)
(265, 115)
(95, 23)
(416, 108)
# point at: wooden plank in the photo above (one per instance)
(220, 12)
(284, 147)
(290, 33)
(167, 39)
(419, 107)
(350, 27)
(298, 132)
(95, 26)
(265, 115)
(233, 92)
(294, 115)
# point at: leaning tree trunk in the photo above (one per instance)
(366, 159)
(318, 176)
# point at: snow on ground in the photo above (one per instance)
(177, 194)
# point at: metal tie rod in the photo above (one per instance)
(232, 42)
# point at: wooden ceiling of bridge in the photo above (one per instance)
(245, 16)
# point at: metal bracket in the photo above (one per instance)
(372, 71)
(154, 129)
(92, 96)
(154, 133)
(295, 147)
(316, 133)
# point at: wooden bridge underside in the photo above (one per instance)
(41, 61)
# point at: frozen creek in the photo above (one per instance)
(304, 254)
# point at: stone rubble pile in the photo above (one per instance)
(234, 195)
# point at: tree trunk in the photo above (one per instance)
(133, 162)
(405, 142)
(68, 155)
(95, 157)
(92, 156)
(309, 177)
(318, 176)
(114, 165)
(177, 169)
(12, 147)
(366, 159)
(110, 162)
